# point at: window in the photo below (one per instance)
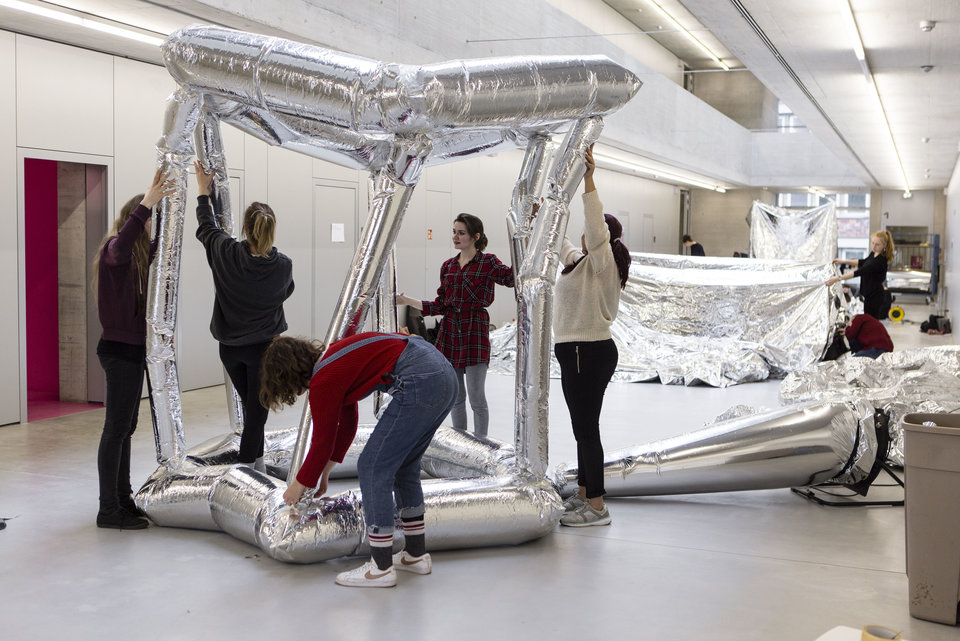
(853, 218)
(787, 121)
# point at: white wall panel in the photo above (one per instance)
(9, 320)
(336, 204)
(64, 98)
(256, 179)
(291, 197)
(140, 96)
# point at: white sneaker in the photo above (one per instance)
(573, 502)
(417, 564)
(368, 575)
(585, 516)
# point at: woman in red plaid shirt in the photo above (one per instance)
(466, 290)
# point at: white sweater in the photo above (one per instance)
(587, 299)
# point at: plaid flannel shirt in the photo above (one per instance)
(462, 298)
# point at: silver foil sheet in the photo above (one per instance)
(900, 382)
(793, 446)
(715, 321)
(791, 234)
(909, 281)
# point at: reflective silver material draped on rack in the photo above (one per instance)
(792, 446)
(915, 380)
(718, 321)
(393, 120)
(790, 234)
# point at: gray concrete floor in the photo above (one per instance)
(741, 566)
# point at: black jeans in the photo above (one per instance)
(242, 363)
(124, 367)
(585, 370)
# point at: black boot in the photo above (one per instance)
(121, 520)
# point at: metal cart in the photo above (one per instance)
(916, 264)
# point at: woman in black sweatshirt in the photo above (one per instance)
(872, 271)
(251, 279)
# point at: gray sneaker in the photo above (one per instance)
(573, 501)
(585, 516)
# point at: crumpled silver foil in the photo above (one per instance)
(717, 321)
(392, 120)
(925, 379)
(790, 234)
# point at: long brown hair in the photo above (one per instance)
(888, 247)
(259, 225)
(141, 252)
(286, 370)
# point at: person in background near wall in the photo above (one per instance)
(251, 280)
(121, 274)
(867, 336)
(586, 303)
(423, 386)
(466, 290)
(696, 249)
(872, 271)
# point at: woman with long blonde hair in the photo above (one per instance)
(121, 273)
(872, 271)
(251, 280)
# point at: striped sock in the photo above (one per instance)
(413, 533)
(381, 549)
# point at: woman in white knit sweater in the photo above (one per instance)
(587, 300)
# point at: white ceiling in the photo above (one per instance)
(827, 89)
(829, 92)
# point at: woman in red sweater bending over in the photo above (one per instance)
(466, 290)
(422, 385)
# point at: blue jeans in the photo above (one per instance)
(424, 388)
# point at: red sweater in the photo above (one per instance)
(335, 390)
(869, 332)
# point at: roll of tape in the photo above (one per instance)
(879, 633)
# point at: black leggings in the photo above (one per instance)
(124, 367)
(242, 363)
(585, 370)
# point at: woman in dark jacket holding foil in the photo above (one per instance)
(872, 271)
(252, 280)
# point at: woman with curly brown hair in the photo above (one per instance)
(422, 385)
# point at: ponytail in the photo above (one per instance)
(259, 225)
(621, 255)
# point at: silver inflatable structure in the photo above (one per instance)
(393, 120)
(789, 234)
(717, 321)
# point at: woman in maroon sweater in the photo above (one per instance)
(121, 273)
(422, 385)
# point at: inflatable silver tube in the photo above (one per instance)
(248, 505)
(174, 149)
(370, 96)
(787, 447)
(209, 144)
(526, 194)
(537, 277)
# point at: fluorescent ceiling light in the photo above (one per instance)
(666, 176)
(689, 35)
(80, 21)
(858, 49)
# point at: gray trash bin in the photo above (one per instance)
(931, 456)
